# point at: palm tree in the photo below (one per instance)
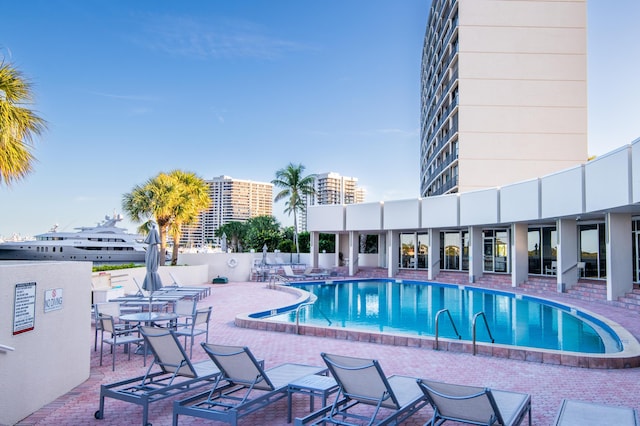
(191, 200)
(235, 231)
(18, 125)
(295, 187)
(173, 199)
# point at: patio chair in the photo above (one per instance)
(249, 387)
(582, 413)
(475, 405)
(362, 381)
(108, 308)
(551, 270)
(173, 374)
(288, 273)
(116, 337)
(197, 325)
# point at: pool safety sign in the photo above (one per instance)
(24, 308)
(52, 299)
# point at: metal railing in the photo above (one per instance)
(486, 324)
(441, 311)
(6, 348)
(275, 279)
(304, 305)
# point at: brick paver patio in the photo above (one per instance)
(547, 384)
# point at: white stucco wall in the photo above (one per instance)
(54, 357)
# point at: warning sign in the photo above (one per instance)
(24, 308)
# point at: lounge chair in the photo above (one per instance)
(362, 381)
(581, 413)
(177, 374)
(249, 387)
(475, 405)
(288, 273)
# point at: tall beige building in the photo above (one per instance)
(332, 188)
(503, 92)
(232, 200)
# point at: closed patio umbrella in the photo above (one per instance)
(223, 243)
(152, 281)
(264, 253)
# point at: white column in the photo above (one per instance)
(519, 253)
(476, 253)
(619, 254)
(566, 270)
(393, 244)
(382, 250)
(352, 254)
(314, 248)
(434, 253)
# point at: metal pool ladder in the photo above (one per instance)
(304, 305)
(442, 311)
(486, 324)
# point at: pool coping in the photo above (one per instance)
(629, 357)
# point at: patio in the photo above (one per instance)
(547, 384)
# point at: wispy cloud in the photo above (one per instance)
(190, 37)
(126, 97)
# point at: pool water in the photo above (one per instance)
(410, 307)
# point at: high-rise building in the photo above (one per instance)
(332, 188)
(232, 200)
(503, 92)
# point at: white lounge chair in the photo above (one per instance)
(475, 405)
(362, 381)
(582, 413)
(176, 375)
(248, 387)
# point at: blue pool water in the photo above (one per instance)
(410, 307)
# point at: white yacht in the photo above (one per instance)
(104, 243)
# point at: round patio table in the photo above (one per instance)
(149, 318)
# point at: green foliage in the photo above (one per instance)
(236, 233)
(327, 243)
(104, 268)
(173, 199)
(304, 239)
(286, 246)
(263, 230)
(18, 125)
(295, 189)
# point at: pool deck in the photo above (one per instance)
(548, 384)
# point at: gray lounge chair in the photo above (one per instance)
(475, 405)
(248, 387)
(177, 374)
(582, 413)
(362, 381)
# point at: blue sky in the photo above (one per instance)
(242, 88)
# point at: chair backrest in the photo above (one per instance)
(168, 352)
(238, 365)
(108, 308)
(554, 264)
(361, 379)
(202, 316)
(287, 270)
(106, 322)
(462, 403)
(186, 307)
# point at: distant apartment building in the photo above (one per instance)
(332, 188)
(503, 92)
(232, 200)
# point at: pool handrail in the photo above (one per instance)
(486, 324)
(441, 311)
(304, 305)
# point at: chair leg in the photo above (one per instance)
(113, 355)
(101, 344)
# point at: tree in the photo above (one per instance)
(18, 125)
(295, 188)
(173, 199)
(191, 199)
(263, 230)
(235, 231)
